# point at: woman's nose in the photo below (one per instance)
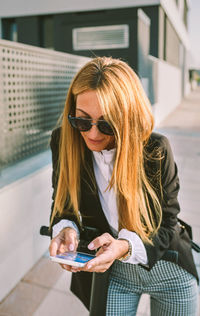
(94, 132)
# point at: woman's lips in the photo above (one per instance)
(95, 141)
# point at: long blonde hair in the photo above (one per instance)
(126, 107)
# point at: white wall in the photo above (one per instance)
(25, 206)
(167, 81)
(20, 7)
(25, 200)
(175, 17)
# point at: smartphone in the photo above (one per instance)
(76, 259)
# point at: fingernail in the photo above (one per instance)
(71, 247)
(89, 266)
(91, 245)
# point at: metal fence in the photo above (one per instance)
(33, 88)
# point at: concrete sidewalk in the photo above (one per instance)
(44, 291)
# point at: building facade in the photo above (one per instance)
(106, 29)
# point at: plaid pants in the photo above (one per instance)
(173, 291)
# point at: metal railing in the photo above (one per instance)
(33, 87)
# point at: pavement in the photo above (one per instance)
(44, 290)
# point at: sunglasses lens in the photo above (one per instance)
(105, 128)
(84, 125)
(80, 123)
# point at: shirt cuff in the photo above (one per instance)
(63, 224)
(139, 254)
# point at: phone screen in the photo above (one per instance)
(73, 258)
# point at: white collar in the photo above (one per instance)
(105, 156)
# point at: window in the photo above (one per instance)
(171, 44)
(9, 30)
(47, 32)
(101, 37)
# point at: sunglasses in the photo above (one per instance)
(85, 124)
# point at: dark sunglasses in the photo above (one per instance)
(85, 124)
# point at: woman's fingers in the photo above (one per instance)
(110, 249)
(101, 262)
(100, 251)
(54, 246)
(66, 267)
(100, 241)
(70, 237)
(70, 268)
(66, 240)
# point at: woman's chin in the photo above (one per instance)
(93, 147)
(99, 145)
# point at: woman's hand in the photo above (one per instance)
(66, 240)
(110, 249)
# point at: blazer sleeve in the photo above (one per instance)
(67, 213)
(169, 204)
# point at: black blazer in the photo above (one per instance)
(172, 241)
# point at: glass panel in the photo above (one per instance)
(13, 32)
(48, 32)
(101, 37)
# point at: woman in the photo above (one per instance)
(111, 172)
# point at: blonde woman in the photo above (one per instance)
(111, 172)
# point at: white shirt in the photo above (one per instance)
(103, 166)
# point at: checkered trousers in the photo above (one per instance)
(173, 291)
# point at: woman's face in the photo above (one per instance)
(87, 106)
